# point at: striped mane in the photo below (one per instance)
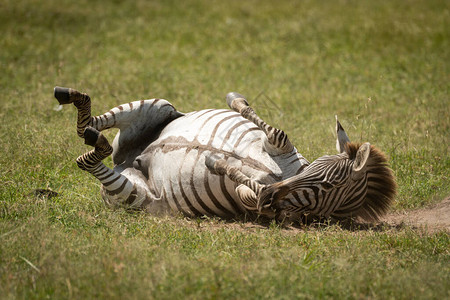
(380, 180)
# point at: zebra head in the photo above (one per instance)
(354, 183)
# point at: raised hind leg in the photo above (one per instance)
(138, 121)
(277, 141)
(136, 116)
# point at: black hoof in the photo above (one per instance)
(210, 160)
(233, 95)
(62, 94)
(91, 136)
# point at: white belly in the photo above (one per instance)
(176, 161)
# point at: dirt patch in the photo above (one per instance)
(430, 219)
(433, 218)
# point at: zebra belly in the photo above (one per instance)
(176, 162)
(189, 187)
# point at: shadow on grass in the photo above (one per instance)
(350, 224)
(254, 221)
(309, 223)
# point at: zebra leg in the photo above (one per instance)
(117, 189)
(81, 101)
(220, 167)
(248, 190)
(277, 140)
(138, 121)
(136, 115)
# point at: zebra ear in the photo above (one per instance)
(360, 163)
(342, 137)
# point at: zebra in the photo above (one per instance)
(225, 163)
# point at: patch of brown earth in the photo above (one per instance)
(433, 218)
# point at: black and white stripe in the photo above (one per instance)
(188, 141)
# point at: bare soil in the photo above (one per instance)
(433, 218)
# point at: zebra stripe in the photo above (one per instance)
(216, 131)
(113, 183)
(124, 114)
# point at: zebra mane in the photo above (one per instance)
(380, 180)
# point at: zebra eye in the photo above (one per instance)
(327, 185)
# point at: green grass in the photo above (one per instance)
(381, 66)
(118, 255)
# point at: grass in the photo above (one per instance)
(136, 256)
(382, 67)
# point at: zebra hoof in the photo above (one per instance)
(233, 96)
(62, 94)
(210, 161)
(91, 136)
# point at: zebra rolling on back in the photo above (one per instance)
(225, 163)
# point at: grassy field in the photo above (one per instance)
(381, 66)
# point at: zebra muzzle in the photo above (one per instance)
(270, 197)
